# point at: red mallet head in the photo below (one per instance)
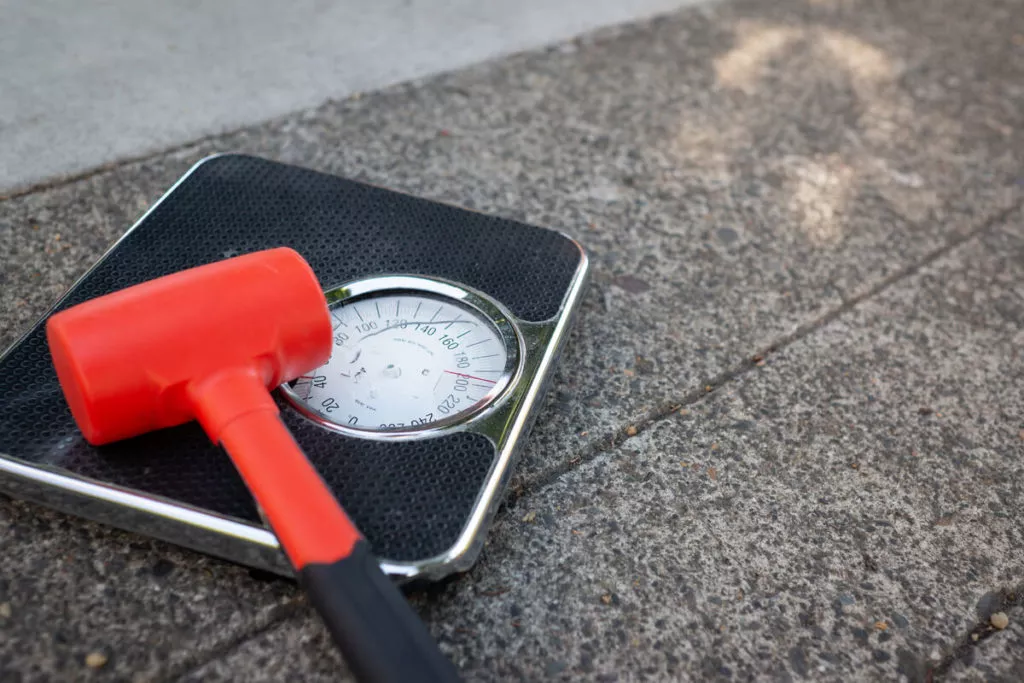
(204, 343)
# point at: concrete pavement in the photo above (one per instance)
(786, 440)
(83, 85)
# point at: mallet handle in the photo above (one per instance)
(379, 634)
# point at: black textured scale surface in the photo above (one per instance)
(410, 498)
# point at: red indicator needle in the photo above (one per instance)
(462, 374)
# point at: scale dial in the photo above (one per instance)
(406, 359)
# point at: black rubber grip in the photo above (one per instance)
(378, 632)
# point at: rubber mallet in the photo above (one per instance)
(209, 344)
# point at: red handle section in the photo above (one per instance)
(236, 411)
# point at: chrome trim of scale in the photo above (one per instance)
(504, 420)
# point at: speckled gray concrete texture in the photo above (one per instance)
(832, 180)
(992, 650)
(310, 657)
(69, 589)
(998, 658)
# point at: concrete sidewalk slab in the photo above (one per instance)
(741, 175)
(69, 589)
(86, 84)
(845, 512)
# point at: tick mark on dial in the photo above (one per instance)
(464, 334)
(437, 313)
(480, 379)
(358, 313)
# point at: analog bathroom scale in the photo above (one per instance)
(447, 327)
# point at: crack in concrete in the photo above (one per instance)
(270, 620)
(983, 630)
(609, 442)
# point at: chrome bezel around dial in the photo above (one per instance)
(488, 309)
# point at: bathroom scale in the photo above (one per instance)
(447, 325)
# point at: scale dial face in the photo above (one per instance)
(408, 359)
